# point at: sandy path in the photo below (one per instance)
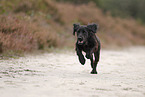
(121, 74)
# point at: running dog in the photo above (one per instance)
(88, 42)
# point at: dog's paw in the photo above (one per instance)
(94, 72)
(82, 60)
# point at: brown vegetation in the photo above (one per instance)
(31, 25)
(112, 30)
(20, 34)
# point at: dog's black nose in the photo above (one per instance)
(80, 38)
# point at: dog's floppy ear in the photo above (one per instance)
(93, 27)
(76, 26)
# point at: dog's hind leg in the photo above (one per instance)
(92, 62)
(94, 65)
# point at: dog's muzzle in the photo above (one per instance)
(80, 41)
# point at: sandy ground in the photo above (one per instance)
(121, 73)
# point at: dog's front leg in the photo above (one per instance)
(80, 56)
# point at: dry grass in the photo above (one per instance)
(112, 30)
(27, 25)
(18, 33)
(15, 34)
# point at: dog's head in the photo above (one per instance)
(83, 32)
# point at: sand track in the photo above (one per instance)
(121, 73)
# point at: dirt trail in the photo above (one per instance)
(121, 74)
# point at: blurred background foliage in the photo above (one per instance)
(122, 8)
(29, 25)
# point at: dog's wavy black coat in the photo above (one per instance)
(88, 42)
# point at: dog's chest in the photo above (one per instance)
(87, 48)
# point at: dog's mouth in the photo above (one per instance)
(80, 42)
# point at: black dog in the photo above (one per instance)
(88, 42)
